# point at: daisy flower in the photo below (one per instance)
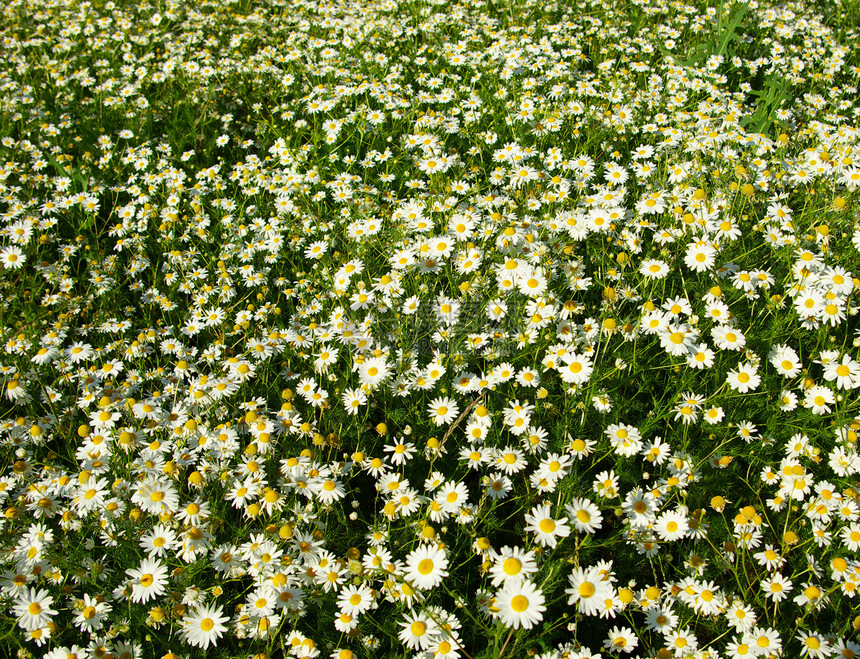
(512, 564)
(671, 525)
(661, 618)
(373, 371)
(765, 641)
(33, 609)
(510, 460)
(261, 601)
(426, 567)
(443, 411)
(626, 440)
(700, 256)
(728, 338)
(743, 379)
(776, 587)
(355, 600)
(700, 356)
(785, 360)
(584, 514)
(12, 257)
(819, 399)
(588, 590)
(575, 369)
(204, 626)
(814, 646)
(787, 400)
(741, 616)
(418, 631)
(520, 604)
(148, 581)
(158, 541)
(846, 373)
(621, 639)
(654, 269)
(499, 486)
(452, 496)
(546, 529)
(91, 617)
(353, 399)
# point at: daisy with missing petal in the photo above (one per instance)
(776, 587)
(787, 400)
(520, 604)
(546, 529)
(580, 448)
(621, 639)
(814, 645)
(818, 399)
(443, 411)
(426, 567)
(205, 626)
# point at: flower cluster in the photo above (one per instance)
(429, 327)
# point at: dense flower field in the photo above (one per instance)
(429, 329)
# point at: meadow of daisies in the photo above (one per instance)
(430, 328)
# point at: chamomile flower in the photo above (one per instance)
(654, 269)
(671, 525)
(520, 604)
(355, 600)
(744, 378)
(426, 566)
(91, 616)
(147, 581)
(12, 257)
(158, 541)
(622, 640)
(418, 631)
(33, 609)
(443, 410)
(588, 590)
(584, 514)
(204, 626)
(512, 564)
(776, 587)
